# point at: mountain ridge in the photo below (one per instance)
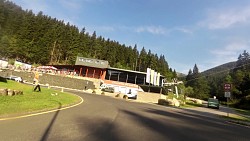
(224, 68)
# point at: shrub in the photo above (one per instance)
(125, 97)
(171, 95)
(3, 79)
(118, 95)
(244, 103)
(163, 102)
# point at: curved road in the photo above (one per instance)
(102, 118)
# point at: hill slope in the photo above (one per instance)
(222, 69)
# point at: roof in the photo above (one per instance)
(127, 70)
(95, 63)
(130, 71)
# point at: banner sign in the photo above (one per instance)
(148, 75)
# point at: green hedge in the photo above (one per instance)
(244, 103)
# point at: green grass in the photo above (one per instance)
(237, 118)
(244, 112)
(190, 104)
(31, 101)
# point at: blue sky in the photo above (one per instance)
(187, 32)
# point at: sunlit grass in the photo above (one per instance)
(31, 101)
(244, 112)
(190, 104)
(237, 118)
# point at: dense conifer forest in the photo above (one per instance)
(211, 82)
(44, 40)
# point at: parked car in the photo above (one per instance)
(213, 103)
(131, 94)
(15, 78)
(108, 89)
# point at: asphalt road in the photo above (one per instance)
(102, 118)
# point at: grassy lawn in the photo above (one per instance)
(31, 101)
(244, 112)
(244, 120)
(190, 104)
(237, 119)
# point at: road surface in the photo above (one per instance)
(102, 118)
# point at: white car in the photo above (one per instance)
(132, 94)
(15, 78)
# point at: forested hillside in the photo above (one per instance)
(221, 69)
(211, 82)
(41, 39)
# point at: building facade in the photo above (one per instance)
(122, 80)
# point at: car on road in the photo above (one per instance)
(213, 103)
(15, 78)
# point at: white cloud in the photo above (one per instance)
(103, 28)
(34, 5)
(141, 29)
(154, 30)
(228, 54)
(231, 49)
(226, 18)
(71, 5)
(76, 4)
(159, 30)
(151, 29)
(183, 30)
(106, 28)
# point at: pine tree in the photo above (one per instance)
(195, 70)
(41, 39)
(198, 83)
(142, 60)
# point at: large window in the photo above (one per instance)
(125, 76)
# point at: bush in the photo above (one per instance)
(103, 93)
(94, 92)
(3, 79)
(118, 95)
(171, 95)
(181, 97)
(163, 102)
(125, 97)
(244, 103)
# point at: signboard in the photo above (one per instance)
(227, 87)
(227, 94)
(96, 63)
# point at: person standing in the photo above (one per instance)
(36, 82)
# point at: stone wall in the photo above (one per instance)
(55, 80)
(149, 97)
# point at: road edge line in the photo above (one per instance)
(46, 112)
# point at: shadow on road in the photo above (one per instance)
(98, 129)
(155, 124)
(184, 125)
(47, 131)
